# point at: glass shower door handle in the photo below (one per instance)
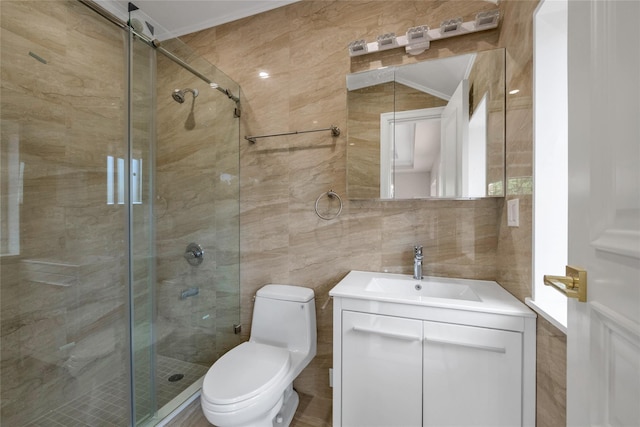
(194, 254)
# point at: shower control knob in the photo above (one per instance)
(194, 254)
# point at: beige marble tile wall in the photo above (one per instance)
(303, 47)
(514, 244)
(363, 161)
(62, 94)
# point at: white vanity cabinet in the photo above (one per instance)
(433, 362)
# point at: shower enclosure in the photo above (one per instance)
(119, 215)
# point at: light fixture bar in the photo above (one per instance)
(417, 39)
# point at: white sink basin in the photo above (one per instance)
(443, 292)
(429, 288)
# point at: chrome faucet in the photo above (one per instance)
(417, 262)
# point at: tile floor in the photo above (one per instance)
(106, 406)
(311, 412)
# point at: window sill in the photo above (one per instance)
(545, 313)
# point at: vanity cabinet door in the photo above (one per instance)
(472, 376)
(381, 370)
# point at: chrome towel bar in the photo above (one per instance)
(335, 131)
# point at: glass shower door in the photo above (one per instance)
(185, 230)
(197, 206)
(63, 272)
(142, 271)
(104, 181)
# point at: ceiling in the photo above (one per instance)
(174, 18)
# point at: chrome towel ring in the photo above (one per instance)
(331, 194)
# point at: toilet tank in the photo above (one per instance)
(285, 316)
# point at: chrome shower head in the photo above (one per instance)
(179, 94)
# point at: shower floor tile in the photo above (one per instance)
(106, 406)
(167, 390)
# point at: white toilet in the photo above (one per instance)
(252, 385)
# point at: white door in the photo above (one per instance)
(603, 341)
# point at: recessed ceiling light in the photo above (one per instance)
(263, 75)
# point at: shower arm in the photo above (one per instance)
(171, 56)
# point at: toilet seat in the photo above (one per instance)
(243, 373)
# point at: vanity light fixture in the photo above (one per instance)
(450, 27)
(387, 41)
(487, 19)
(358, 47)
(417, 39)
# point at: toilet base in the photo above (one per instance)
(280, 415)
(288, 410)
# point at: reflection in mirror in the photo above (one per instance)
(433, 129)
(11, 177)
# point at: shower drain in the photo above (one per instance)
(175, 377)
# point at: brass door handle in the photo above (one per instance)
(573, 285)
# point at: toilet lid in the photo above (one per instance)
(244, 372)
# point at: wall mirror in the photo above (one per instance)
(433, 129)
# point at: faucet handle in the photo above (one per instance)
(417, 250)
